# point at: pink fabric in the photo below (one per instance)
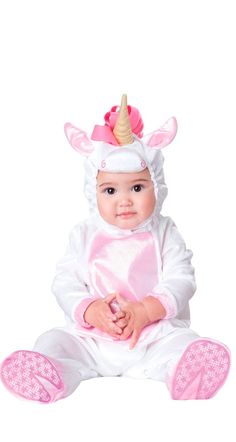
(78, 139)
(163, 136)
(105, 133)
(21, 373)
(115, 265)
(201, 371)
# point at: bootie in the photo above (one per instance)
(201, 371)
(32, 376)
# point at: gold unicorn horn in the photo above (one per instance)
(122, 129)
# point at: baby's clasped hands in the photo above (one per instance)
(122, 318)
(102, 315)
(138, 319)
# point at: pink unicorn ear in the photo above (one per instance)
(78, 139)
(163, 136)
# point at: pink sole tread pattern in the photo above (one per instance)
(20, 373)
(204, 365)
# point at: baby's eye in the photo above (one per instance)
(109, 190)
(138, 187)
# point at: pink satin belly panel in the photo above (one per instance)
(127, 265)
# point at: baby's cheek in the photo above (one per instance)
(150, 203)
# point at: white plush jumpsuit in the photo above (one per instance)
(102, 259)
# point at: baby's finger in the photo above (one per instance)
(120, 314)
(127, 332)
(110, 297)
(114, 328)
(134, 338)
(108, 313)
(122, 322)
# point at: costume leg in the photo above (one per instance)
(53, 370)
(192, 367)
(162, 355)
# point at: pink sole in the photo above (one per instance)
(201, 371)
(20, 372)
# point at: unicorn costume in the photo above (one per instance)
(150, 259)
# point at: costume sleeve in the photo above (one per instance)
(177, 284)
(68, 286)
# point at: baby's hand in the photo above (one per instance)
(122, 317)
(99, 314)
(138, 319)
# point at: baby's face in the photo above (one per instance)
(125, 199)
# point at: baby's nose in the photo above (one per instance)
(125, 202)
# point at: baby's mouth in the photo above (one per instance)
(125, 215)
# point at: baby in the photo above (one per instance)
(125, 280)
(125, 200)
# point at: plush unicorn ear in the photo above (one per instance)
(163, 136)
(78, 139)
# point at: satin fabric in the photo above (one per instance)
(115, 265)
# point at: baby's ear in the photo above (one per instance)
(78, 139)
(163, 136)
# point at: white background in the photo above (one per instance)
(72, 60)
